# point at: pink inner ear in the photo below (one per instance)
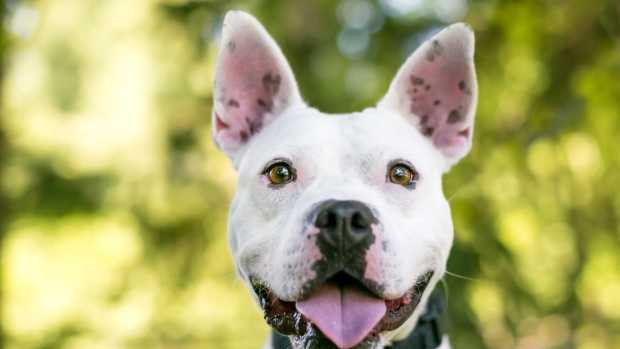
(439, 87)
(248, 86)
(251, 85)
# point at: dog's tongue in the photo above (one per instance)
(344, 314)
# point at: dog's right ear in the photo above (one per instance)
(253, 83)
(436, 90)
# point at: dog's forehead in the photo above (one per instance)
(307, 135)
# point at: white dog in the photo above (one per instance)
(339, 224)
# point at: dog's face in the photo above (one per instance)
(339, 224)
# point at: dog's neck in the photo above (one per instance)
(429, 332)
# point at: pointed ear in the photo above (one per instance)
(253, 83)
(436, 90)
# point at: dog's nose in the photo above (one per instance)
(344, 224)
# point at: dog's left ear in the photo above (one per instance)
(253, 83)
(436, 90)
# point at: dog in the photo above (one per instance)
(339, 226)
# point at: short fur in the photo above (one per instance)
(426, 118)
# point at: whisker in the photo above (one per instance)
(446, 291)
(462, 276)
(456, 192)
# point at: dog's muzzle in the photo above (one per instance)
(340, 307)
(345, 233)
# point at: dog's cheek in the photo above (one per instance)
(446, 228)
(273, 203)
(377, 259)
(409, 244)
(294, 267)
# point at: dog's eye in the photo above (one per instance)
(280, 173)
(403, 174)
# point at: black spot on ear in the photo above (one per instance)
(267, 105)
(454, 116)
(428, 131)
(424, 119)
(244, 136)
(437, 48)
(271, 83)
(464, 133)
(254, 125)
(464, 88)
(437, 102)
(427, 87)
(231, 46)
(434, 51)
(233, 103)
(416, 80)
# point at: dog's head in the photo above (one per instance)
(339, 223)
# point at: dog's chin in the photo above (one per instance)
(286, 319)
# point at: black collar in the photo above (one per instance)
(427, 334)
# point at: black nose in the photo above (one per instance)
(344, 225)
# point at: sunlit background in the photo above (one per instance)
(113, 199)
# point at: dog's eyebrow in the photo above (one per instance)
(275, 160)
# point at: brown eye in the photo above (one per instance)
(403, 175)
(280, 173)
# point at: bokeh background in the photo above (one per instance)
(113, 199)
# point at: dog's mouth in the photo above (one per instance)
(339, 313)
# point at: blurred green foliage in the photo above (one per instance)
(113, 199)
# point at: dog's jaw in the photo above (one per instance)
(400, 318)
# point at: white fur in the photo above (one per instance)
(342, 157)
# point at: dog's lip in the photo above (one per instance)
(283, 316)
(363, 283)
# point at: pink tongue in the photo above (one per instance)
(346, 315)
